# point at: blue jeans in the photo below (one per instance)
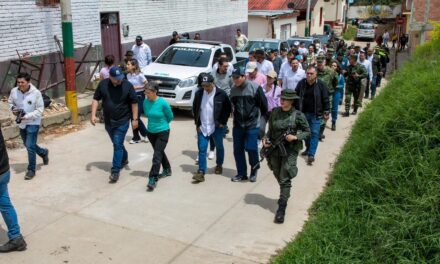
(29, 135)
(245, 139)
(373, 87)
(335, 106)
(120, 155)
(7, 209)
(141, 126)
(313, 140)
(202, 141)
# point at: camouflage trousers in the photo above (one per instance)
(284, 170)
(351, 92)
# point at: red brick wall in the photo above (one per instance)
(419, 12)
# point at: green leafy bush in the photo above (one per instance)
(350, 33)
(382, 204)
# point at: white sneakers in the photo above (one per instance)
(211, 156)
(145, 139)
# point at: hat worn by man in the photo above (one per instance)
(331, 50)
(288, 94)
(251, 66)
(238, 71)
(272, 74)
(320, 59)
(353, 57)
(205, 79)
(138, 38)
(129, 53)
(116, 73)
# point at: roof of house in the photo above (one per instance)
(278, 5)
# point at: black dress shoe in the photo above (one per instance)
(29, 175)
(114, 177)
(333, 127)
(239, 178)
(46, 158)
(16, 244)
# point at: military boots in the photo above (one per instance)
(281, 212)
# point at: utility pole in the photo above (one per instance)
(69, 60)
(307, 33)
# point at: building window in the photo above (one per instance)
(47, 2)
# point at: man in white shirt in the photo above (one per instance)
(225, 57)
(264, 66)
(141, 52)
(26, 102)
(302, 50)
(293, 76)
(211, 109)
(365, 82)
(240, 40)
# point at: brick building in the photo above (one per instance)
(29, 26)
(418, 14)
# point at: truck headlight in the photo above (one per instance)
(188, 82)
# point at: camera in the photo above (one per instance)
(20, 114)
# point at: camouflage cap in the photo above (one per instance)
(288, 94)
(330, 49)
(353, 57)
(320, 59)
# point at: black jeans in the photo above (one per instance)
(141, 126)
(159, 142)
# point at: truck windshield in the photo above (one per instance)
(185, 56)
(254, 45)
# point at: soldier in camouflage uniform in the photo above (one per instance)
(329, 77)
(330, 58)
(284, 168)
(353, 75)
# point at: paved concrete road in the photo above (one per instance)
(70, 214)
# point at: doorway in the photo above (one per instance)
(110, 35)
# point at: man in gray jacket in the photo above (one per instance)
(26, 103)
(249, 103)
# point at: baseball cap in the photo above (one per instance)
(251, 66)
(238, 71)
(272, 74)
(205, 78)
(330, 50)
(175, 33)
(353, 57)
(116, 73)
(296, 43)
(139, 37)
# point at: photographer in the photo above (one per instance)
(26, 103)
(16, 241)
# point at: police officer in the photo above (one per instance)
(354, 74)
(328, 76)
(285, 119)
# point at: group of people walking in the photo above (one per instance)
(274, 109)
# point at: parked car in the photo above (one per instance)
(365, 31)
(323, 39)
(178, 67)
(264, 44)
(307, 40)
(374, 20)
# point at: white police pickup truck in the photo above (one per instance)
(178, 66)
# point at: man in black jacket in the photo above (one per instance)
(16, 241)
(211, 109)
(314, 103)
(249, 104)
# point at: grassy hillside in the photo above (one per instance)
(382, 204)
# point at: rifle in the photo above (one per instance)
(277, 143)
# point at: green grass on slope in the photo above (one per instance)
(382, 204)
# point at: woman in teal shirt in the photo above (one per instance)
(159, 115)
